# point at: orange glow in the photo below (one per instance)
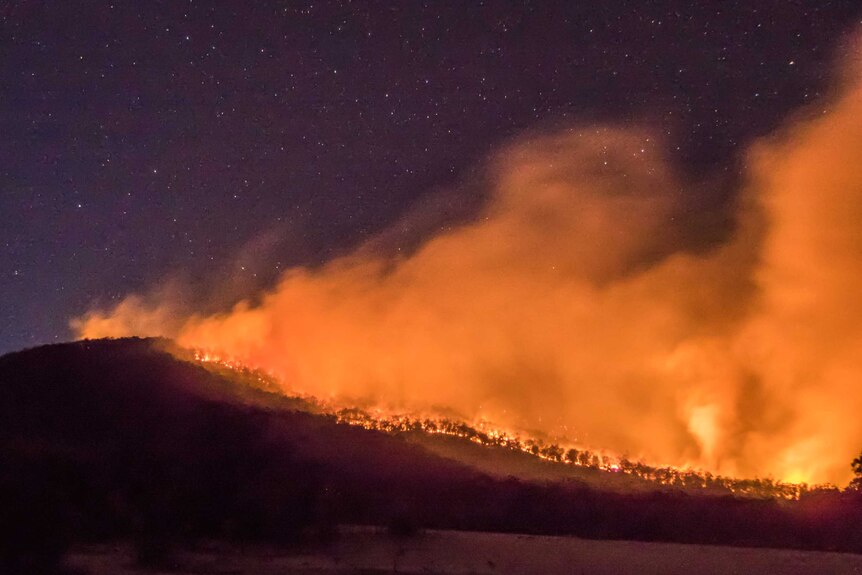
(484, 433)
(571, 307)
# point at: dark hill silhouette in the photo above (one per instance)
(108, 440)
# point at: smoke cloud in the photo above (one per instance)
(573, 305)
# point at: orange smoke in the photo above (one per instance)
(568, 306)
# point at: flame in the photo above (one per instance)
(575, 302)
(484, 433)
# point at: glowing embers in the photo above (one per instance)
(209, 357)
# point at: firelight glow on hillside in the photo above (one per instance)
(568, 305)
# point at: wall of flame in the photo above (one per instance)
(571, 306)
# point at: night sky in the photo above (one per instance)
(211, 140)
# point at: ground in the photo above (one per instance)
(369, 551)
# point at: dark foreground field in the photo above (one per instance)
(458, 552)
(120, 442)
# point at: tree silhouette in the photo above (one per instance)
(856, 466)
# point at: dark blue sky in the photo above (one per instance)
(142, 140)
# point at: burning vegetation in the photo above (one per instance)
(485, 434)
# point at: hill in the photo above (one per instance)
(121, 440)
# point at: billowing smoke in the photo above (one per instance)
(572, 305)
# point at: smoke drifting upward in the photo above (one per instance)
(571, 306)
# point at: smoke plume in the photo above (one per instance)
(572, 304)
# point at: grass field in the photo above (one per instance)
(369, 550)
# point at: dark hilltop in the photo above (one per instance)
(120, 440)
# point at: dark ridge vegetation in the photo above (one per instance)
(119, 440)
(589, 463)
(650, 476)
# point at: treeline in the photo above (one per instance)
(661, 476)
(664, 476)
